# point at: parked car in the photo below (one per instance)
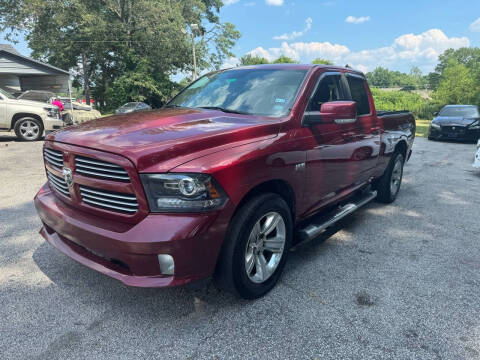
(224, 179)
(29, 119)
(456, 122)
(476, 162)
(132, 107)
(76, 113)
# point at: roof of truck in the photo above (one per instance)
(298, 67)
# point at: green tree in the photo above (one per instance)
(120, 42)
(250, 59)
(456, 86)
(284, 60)
(322, 61)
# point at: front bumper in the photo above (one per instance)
(461, 133)
(129, 252)
(51, 124)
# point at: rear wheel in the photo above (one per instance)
(256, 247)
(28, 129)
(388, 186)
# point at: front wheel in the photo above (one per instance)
(388, 186)
(256, 247)
(28, 129)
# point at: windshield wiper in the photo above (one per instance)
(223, 109)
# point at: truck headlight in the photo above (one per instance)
(182, 192)
(53, 112)
(435, 126)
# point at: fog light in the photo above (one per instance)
(167, 266)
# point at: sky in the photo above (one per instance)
(364, 34)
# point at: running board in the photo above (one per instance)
(318, 225)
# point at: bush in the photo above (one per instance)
(403, 100)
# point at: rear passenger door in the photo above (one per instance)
(365, 132)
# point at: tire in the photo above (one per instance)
(388, 186)
(245, 247)
(28, 129)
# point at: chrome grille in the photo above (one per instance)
(53, 157)
(120, 202)
(58, 184)
(100, 169)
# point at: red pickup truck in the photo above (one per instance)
(224, 179)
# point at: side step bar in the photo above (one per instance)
(318, 225)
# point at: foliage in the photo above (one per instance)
(381, 77)
(457, 85)
(321, 61)
(249, 59)
(284, 60)
(132, 46)
(405, 100)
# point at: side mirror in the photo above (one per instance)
(334, 112)
(435, 113)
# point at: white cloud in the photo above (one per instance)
(357, 20)
(230, 62)
(251, 3)
(295, 34)
(230, 2)
(274, 2)
(475, 26)
(406, 51)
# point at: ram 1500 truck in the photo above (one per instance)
(29, 119)
(224, 179)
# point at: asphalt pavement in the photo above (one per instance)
(390, 282)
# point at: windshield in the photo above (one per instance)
(464, 111)
(6, 94)
(129, 105)
(266, 92)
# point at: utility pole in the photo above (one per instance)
(194, 77)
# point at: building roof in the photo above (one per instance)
(6, 48)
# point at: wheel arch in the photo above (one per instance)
(22, 115)
(276, 186)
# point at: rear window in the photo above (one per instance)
(359, 94)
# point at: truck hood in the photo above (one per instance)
(160, 140)
(29, 103)
(453, 121)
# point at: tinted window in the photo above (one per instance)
(268, 92)
(328, 90)
(359, 94)
(463, 111)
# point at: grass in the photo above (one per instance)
(422, 128)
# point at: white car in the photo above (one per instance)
(476, 163)
(29, 119)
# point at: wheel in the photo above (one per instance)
(28, 129)
(388, 186)
(256, 247)
(67, 118)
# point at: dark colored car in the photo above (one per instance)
(132, 107)
(224, 179)
(456, 122)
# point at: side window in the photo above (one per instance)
(359, 94)
(328, 90)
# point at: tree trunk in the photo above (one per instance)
(86, 80)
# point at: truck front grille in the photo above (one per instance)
(58, 184)
(53, 157)
(113, 201)
(100, 169)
